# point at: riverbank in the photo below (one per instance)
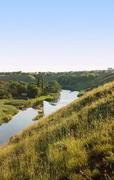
(10, 107)
(26, 117)
(75, 142)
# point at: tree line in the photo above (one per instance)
(73, 80)
(21, 89)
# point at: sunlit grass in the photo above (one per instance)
(74, 143)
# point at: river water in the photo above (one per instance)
(24, 118)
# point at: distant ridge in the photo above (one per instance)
(74, 80)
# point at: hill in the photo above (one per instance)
(17, 77)
(74, 143)
(82, 80)
(73, 80)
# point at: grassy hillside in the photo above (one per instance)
(74, 143)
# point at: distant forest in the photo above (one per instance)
(73, 80)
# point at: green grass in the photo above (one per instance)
(40, 115)
(6, 113)
(74, 143)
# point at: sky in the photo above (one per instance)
(56, 35)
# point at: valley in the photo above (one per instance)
(75, 142)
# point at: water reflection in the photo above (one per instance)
(19, 122)
(25, 118)
(65, 98)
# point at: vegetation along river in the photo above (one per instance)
(25, 118)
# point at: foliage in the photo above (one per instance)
(5, 94)
(17, 88)
(77, 80)
(81, 80)
(12, 89)
(23, 90)
(40, 82)
(33, 91)
(17, 76)
(53, 87)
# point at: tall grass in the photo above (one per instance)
(74, 143)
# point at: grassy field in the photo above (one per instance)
(74, 143)
(9, 108)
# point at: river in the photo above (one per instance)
(24, 118)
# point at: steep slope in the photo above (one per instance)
(74, 143)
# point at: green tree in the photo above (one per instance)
(17, 88)
(33, 91)
(4, 93)
(40, 82)
(53, 87)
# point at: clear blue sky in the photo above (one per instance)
(56, 35)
